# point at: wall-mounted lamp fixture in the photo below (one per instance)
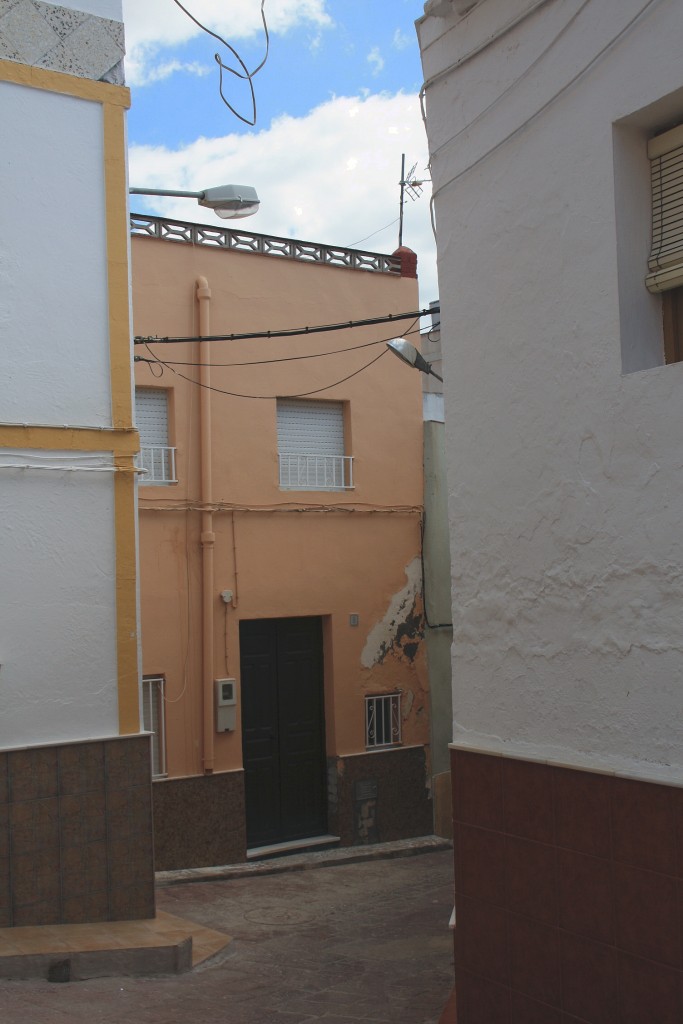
(228, 201)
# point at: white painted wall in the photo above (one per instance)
(58, 677)
(54, 340)
(563, 431)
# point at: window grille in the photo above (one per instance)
(153, 720)
(383, 721)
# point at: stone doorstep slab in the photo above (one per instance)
(165, 944)
(99, 963)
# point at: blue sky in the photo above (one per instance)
(337, 104)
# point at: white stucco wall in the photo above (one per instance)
(58, 677)
(563, 431)
(54, 359)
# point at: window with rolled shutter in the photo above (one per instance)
(311, 445)
(157, 457)
(666, 256)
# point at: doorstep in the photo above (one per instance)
(292, 846)
(164, 944)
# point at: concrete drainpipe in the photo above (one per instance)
(208, 537)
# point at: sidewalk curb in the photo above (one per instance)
(306, 861)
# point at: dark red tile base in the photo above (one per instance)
(199, 821)
(569, 895)
(76, 833)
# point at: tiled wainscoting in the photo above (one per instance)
(199, 821)
(76, 833)
(569, 895)
(379, 797)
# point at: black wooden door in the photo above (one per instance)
(283, 733)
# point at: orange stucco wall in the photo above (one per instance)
(282, 553)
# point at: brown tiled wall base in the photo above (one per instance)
(76, 833)
(380, 797)
(200, 821)
(569, 895)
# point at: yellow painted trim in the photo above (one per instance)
(120, 361)
(67, 85)
(117, 266)
(71, 439)
(126, 596)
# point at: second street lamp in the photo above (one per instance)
(406, 351)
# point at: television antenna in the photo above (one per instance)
(410, 186)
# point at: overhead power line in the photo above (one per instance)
(293, 332)
(281, 359)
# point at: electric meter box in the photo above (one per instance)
(226, 701)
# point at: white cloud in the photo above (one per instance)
(158, 72)
(330, 176)
(154, 24)
(401, 41)
(376, 59)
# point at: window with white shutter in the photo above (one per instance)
(666, 255)
(153, 721)
(157, 457)
(311, 446)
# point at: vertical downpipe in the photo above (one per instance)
(208, 537)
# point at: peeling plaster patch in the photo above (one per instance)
(400, 631)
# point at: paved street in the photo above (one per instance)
(367, 941)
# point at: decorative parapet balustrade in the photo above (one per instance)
(264, 245)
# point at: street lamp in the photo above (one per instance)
(227, 201)
(406, 351)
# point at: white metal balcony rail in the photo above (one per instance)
(158, 461)
(383, 721)
(316, 472)
(265, 245)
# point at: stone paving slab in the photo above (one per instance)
(357, 943)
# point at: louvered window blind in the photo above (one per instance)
(310, 427)
(151, 415)
(666, 258)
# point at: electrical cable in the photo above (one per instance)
(290, 333)
(267, 362)
(247, 76)
(513, 85)
(553, 99)
(475, 51)
(355, 508)
(270, 398)
(389, 225)
(430, 625)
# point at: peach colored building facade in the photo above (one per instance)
(299, 578)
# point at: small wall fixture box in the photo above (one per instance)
(226, 700)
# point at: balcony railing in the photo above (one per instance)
(158, 461)
(316, 472)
